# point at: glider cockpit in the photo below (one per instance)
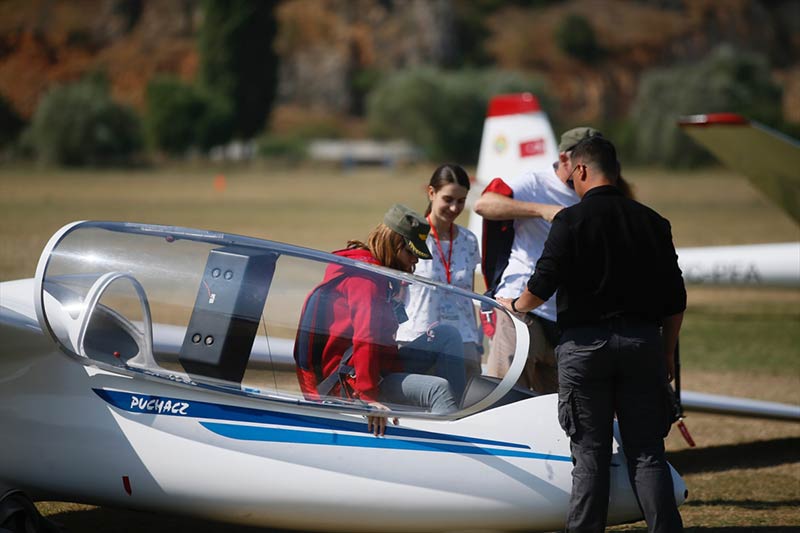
(217, 311)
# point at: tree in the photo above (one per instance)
(727, 80)
(79, 124)
(575, 36)
(237, 60)
(10, 122)
(442, 112)
(181, 116)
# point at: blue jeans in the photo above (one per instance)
(607, 369)
(439, 352)
(418, 390)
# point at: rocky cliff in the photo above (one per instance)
(332, 51)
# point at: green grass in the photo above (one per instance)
(742, 342)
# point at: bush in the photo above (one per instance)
(291, 147)
(181, 116)
(575, 37)
(79, 124)
(726, 81)
(441, 112)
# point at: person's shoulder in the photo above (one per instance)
(529, 177)
(469, 238)
(531, 184)
(466, 233)
(646, 210)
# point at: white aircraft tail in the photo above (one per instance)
(517, 137)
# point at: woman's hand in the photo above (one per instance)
(376, 424)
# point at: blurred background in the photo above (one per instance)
(138, 83)
(233, 115)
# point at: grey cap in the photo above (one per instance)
(410, 225)
(572, 137)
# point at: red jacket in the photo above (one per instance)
(360, 315)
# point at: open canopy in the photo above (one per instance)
(235, 315)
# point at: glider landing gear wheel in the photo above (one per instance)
(18, 514)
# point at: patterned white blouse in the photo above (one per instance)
(426, 307)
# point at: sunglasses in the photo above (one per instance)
(570, 182)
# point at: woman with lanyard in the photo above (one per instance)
(455, 256)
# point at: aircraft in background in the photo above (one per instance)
(517, 137)
(153, 368)
(768, 158)
(770, 161)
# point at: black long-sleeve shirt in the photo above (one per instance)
(609, 256)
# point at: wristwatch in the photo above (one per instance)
(514, 305)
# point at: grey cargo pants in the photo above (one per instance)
(616, 367)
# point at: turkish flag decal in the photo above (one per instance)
(531, 148)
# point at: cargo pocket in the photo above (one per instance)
(566, 411)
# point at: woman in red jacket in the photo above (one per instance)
(361, 312)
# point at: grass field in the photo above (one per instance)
(744, 476)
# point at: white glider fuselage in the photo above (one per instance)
(78, 427)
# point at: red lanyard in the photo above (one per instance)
(445, 262)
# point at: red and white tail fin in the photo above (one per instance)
(517, 137)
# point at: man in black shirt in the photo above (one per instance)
(620, 306)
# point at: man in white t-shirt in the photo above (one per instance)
(531, 201)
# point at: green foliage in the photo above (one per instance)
(363, 81)
(442, 112)
(726, 81)
(181, 116)
(291, 147)
(10, 123)
(575, 37)
(237, 60)
(79, 124)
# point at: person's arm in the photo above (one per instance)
(494, 206)
(672, 326)
(527, 301)
(368, 319)
(549, 271)
(674, 297)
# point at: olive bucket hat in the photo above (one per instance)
(411, 226)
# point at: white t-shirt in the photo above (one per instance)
(530, 233)
(425, 306)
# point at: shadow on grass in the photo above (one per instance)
(125, 521)
(730, 456)
(757, 505)
(730, 529)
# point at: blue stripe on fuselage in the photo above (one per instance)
(147, 404)
(266, 434)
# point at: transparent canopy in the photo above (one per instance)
(246, 316)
